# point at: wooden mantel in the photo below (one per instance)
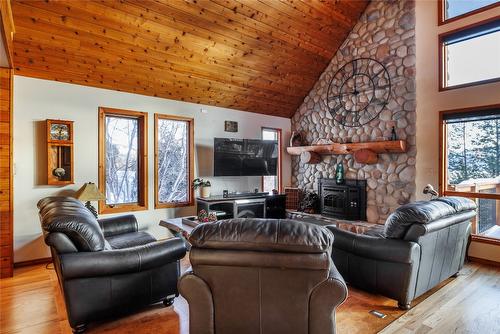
(365, 152)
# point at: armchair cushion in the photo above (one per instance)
(280, 235)
(130, 240)
(118, 225)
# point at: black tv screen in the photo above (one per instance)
(245, 157)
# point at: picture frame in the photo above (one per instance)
(230, 126)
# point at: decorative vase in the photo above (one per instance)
(205, 192)
(339, 173)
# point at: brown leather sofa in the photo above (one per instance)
(262, 276)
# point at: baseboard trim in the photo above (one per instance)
(484, 261)
(32, 262)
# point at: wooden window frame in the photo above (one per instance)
(443, 171)
(142, 143)
(442, 20)
(442, 57)
(280, 156)
(190, 201)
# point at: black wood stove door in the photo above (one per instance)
(334, 201)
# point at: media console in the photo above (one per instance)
(251, 205)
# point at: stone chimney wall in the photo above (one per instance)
(386, 33)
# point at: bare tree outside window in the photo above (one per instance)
(173, 160)
(122, 172)
(472, 164)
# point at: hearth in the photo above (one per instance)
(343, 201)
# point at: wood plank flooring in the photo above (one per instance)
(468, 304)
(31, 302)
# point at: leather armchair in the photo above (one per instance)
(107, 267)
(262, 276)
(421, 245)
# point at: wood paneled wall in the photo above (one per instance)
(262, 56)
(6, 186)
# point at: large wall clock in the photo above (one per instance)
(358, 92)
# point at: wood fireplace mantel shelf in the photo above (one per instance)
(366, 152)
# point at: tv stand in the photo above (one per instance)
(248, 205)
(246, 194)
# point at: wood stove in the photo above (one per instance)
(344, 201)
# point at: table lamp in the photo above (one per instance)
(89, 192)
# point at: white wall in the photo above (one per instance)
(430, 101)
(36, 100)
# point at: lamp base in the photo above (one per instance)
(91, 209)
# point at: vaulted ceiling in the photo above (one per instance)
(260, 56)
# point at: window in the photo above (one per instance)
(450, 10)
(470, 56)
(174, 152)
(122, 160)
(270, 182)
(470, 163)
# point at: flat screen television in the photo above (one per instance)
(245, 157)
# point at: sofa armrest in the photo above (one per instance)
(122, 261)
(200, 301)
(383, 249)
(118, 225)
(325, 298)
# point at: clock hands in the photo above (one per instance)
(383, 87)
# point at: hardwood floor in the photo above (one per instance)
(468, 304)
(31, 302)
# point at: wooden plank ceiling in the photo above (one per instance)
(260, 56)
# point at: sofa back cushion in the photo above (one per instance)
(425, 212)
(69, 216)
(278, 235)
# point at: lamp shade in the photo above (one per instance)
(89, 192)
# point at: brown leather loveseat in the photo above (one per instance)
(262, 276)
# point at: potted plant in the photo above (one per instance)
(203, 185)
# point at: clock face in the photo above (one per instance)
(358, 92)
(59, 131)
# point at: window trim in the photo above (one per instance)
(280, 156)
(442, 20)
(443, 161)
(190, 121)
(442, 55)
(443, 172)
(142, 117)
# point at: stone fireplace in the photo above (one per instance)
(345, 201)
(386, 33)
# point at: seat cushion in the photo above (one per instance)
(280, 235)
(127, 240)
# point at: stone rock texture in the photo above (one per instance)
(385, 32)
